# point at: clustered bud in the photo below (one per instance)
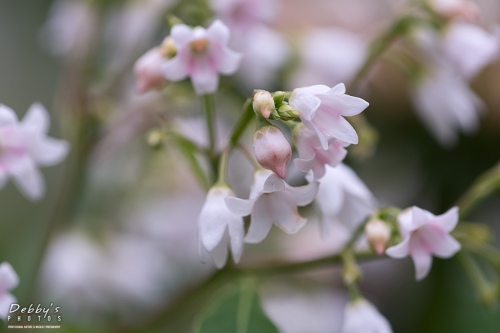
(378, 234)
(263, 103)
(272, 150)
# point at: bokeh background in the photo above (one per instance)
(127, 244)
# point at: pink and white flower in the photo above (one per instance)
(201, 54)
(456, 9)
(272, 150)
(343, 198)
(272, 201)
(425, 234)
(312, 155)
(8, 281)
(219, 228)
(147, 70)
(322, 110)
(362, 317)
(25, 145)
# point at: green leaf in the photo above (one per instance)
(237, 311)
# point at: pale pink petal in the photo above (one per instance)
(304, 195)
(448, 220)
(204, 78)
(48, 151)
(422, 259)
(175, 69)
(219, 32)
(420, 217)
(400, 250)
(240, 207)
(213, 219)
(262, 219)
(8, 277)
(227, 61)
(441, 244)
(5, 302)
(340, 129)
(305, 102)
(236, 232)
(27, 177)
(322, 138)
(36, 119)
(219, 254)
(7, 116)
(338, 89)
(181, 35)
(305, 165)
(344, 105)
(273, 184)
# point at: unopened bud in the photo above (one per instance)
(378, 234)
(272, 150)
(279, 97)
(147, 70)
(263, 103)
(168, 48)
(286, 112)
(155, 138)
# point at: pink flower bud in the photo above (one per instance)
(272, 150)
(263, 103)
(378, 234)
(147, 71)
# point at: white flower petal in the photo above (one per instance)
(5, 302)
(27, 177)
(8, 277)
(305, 102)
(304, 195)
(441, 244)
(37, 119)
(175, 69)
(362, 317)
(344, 105)
(341, 129)
(447, 221)
(273, 184)
(400, 250)
(236, 232)
(262, 219)
(227, 61)
(181, 35)
(48, 151)
(239, 206)
(422, 259)
(219, 32)
(219, 254)
(7, 116)
(204, 78)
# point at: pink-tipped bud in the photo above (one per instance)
(272, 150)
(456, 9)
(378, 234)
(263, 103)
(147, 70)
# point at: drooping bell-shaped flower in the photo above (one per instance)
(219, 228)
(8, 281)
(201, 54)
(24, 146)
(272, 150)
(362, 317)
(322, 109)
(312, 156)
(343, 198)
(425, 234)
(272, 201)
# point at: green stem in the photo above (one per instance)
(189, 149)
(487, 184)
(209, 104)
(223, 160)
(242, 124)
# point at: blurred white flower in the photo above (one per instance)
(330, 56)
(425, 234)
(70, 28)
(322, 109)
(8, 281)
(312, 155)
(272, 149)
(362, 317)
(219, 227)
(264, 52)
(442, 97)
(147, 70)
(24, 146)
(243, 15)
(446, 104)
(201, 54)
(294, 309)
(272, 201)
(343, 198)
